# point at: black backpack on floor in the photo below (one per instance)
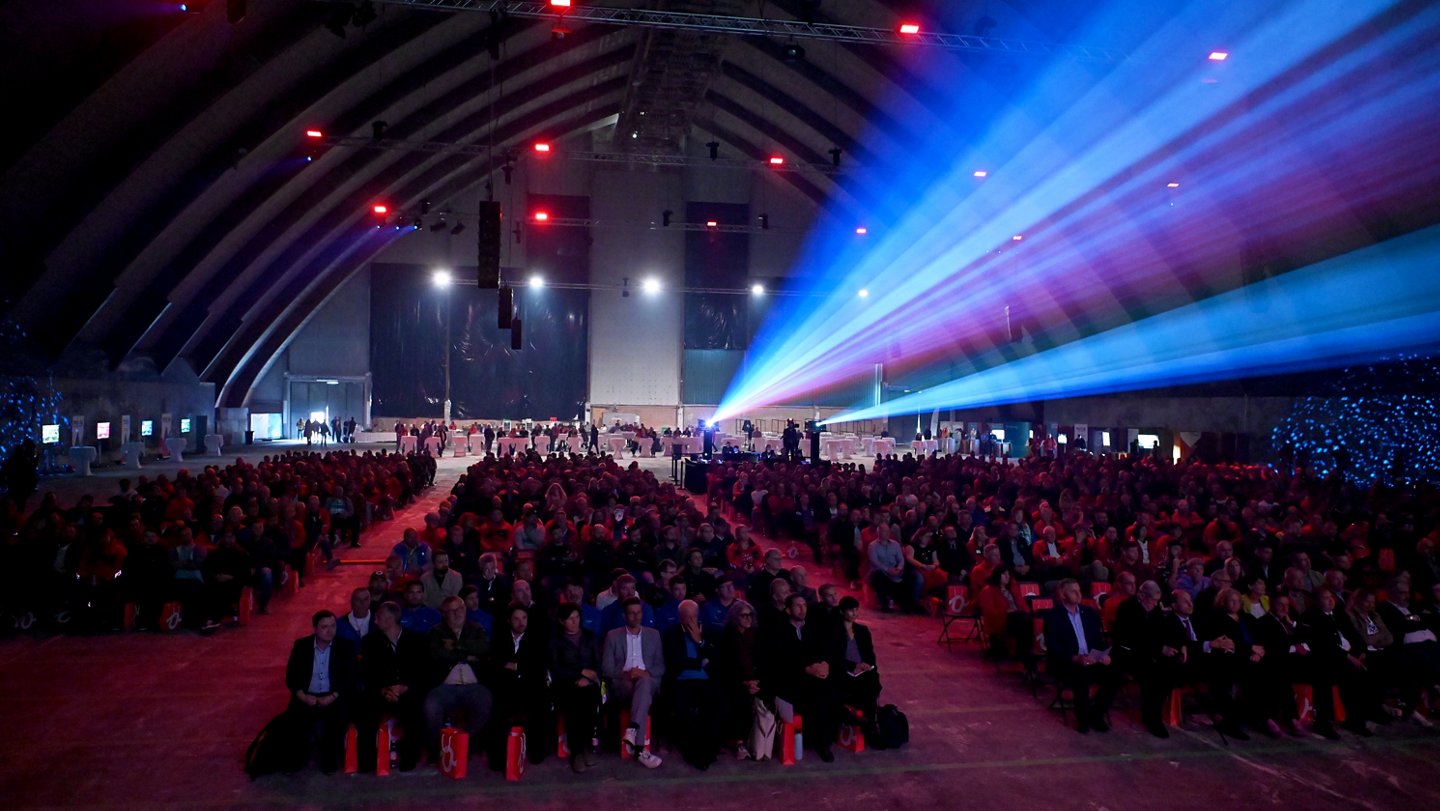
(892, 728)
(280, 747)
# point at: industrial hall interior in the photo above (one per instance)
(909, 404)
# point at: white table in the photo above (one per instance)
(214, 444)
(409, 443)
(176, 446)
(884, 445)
(83, 456)
(773, 443)
(133, 452)
(615, 443)
(374, 436)
(925, 446)
(542, 444)
(432, 446)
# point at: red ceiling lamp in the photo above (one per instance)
(560, 3)
(380, 209)
(314, 134)
(910, 29)
(543, 147)
(542, 216)
(712, 223)
(777, 161)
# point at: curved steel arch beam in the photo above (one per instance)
(308, 297)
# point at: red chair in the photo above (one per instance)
(1098, 588)
(1029, 589)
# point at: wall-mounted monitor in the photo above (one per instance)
(50, 434)
(102, 430)
(147, 428)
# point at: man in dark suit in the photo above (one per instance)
(633, 661)
(520, 657)
(321, 678)
(1074, 647)
(1142, 650)
(393, 667)
(1333, 643)
(797, 669)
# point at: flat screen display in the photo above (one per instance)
(147, 428)
(50, 434)
(184, 425)
(102, 430)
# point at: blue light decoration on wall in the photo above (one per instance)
(27, 398)
(1375, 424)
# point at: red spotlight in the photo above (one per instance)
(542, 216)
(712, 224)
(380, 209)
(776, 160)
(910, 29)
(542, 147)
(560, 3)
(314, 134)
(862, 230)
(1219, 56)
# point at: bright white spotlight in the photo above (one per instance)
(441, 277)
(537, 281)
(758, 289)
(863, 293)
(650, 285)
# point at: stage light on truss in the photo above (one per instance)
(380, 209)
(862, 230)
(441, 277)
(542, 147)
(909, 29)
(864, 293)
(980, 173)
(542, 216)
(1017, 237)
(757, 289)
(312, 133)
(712, 223)
(651, 285)
(1172, 185)
(776, 160)
(1218, 56)
(560, 3)
(537, 281)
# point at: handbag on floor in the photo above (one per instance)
(762, 732)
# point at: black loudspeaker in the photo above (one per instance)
(814, 445)
(697, 477)
(516, 341)
(488, 242)
(507, 306)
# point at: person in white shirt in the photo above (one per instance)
(633, 661)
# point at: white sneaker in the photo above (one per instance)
(742, 753)
(629, 738)
(649, 760)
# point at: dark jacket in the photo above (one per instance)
(302, 662)
(447, 649)
(568, 658)
(1060, 642)
(383, 665)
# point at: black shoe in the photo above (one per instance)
(1325, 731)
(825, 754)
(1158, 730)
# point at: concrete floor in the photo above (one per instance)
(152, 721)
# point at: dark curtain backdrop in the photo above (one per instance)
(714, 259)
(487, 378)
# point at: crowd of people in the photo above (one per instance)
(197, 539)
(1236, 580)
(569, 594)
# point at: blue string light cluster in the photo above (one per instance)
(26, 399)
(1367, 427)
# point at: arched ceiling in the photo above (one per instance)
(155, 204)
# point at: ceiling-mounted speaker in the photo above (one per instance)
(507, 307)
(516, 342)
(488, 243)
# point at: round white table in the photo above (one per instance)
(176, 446)
(83, 456)
(214, 444)
(133, 452)
(409, 443)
